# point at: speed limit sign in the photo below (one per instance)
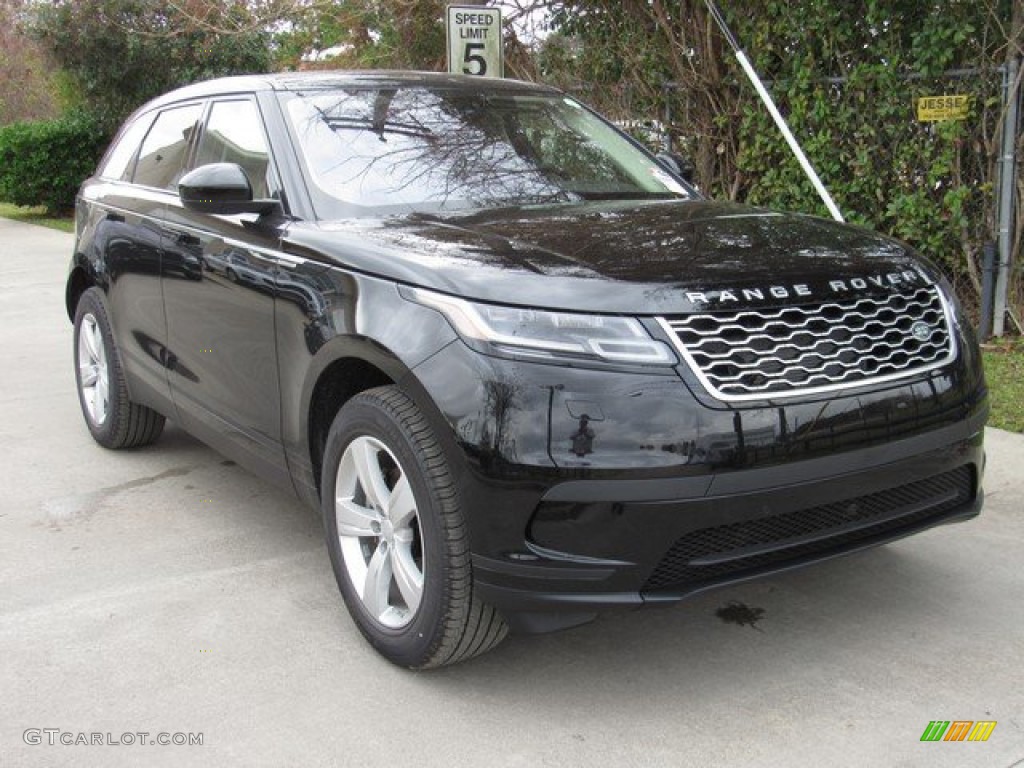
(474, 41)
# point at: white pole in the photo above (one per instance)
(1007, 182)
(780, 121)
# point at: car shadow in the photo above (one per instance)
(744, 635)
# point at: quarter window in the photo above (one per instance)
(164, 152)
(234, 134)
(120, 157)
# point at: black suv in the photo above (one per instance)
(522, 368)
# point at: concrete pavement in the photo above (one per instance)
(168, 591)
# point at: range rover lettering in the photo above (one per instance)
(523, 370)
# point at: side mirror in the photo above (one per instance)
(221, 188)
(677, 164)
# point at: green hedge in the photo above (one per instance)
(43, 163)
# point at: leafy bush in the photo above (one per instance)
(846, 75)
(118, 54)
(930, 184)
(43, 163)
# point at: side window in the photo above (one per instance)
(118, 164)
(163, 154)
(234, 134)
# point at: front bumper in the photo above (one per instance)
(663, 551)
(671, 496)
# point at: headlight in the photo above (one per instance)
(547, 335)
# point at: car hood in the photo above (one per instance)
(650, 258)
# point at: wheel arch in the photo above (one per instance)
(340, 381)
(345, 367)
(79, 281)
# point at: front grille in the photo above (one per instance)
(757, 353)
(711, 555)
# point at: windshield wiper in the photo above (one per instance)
(363, 124)
(629, 195)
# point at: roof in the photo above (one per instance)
(325, 79)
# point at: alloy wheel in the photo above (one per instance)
(93, 371)
(379, 532)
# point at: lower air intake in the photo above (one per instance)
(711, 555)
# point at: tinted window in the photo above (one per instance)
(162, 158)
(121, 155)
(429, 149)
(234, 134)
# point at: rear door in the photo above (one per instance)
(126, 207)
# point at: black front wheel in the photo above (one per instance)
(397, 537)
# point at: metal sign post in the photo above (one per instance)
(780, 121)
(1007, 184)
(475, 43)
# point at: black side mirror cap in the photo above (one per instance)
(678, 164)
(221, 188)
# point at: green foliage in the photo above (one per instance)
(375, 35)
(37, 215)
(43, 163)
(117, 54)
(1004, 371)
(846, 77)
(885, 169)
(612, 53)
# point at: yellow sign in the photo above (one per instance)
(932, 109)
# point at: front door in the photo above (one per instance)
(218, 285)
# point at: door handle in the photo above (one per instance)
(179, 237)
(115, 217)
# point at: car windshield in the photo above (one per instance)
(434, 149)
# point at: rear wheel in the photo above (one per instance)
(397, 537)
(113, 419)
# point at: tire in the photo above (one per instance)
(397, 537)
(113, 419)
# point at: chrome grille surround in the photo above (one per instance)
(762, 354)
